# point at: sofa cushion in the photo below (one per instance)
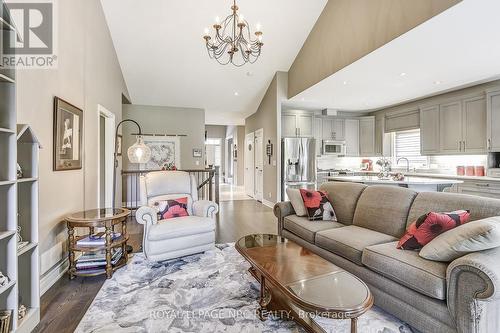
(305, 229)
(384, 209)
(344, 197)
(180, 227)
(480, 207)
(408, 268)
(350, 241)
(296, 200)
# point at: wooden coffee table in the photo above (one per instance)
(297, 284)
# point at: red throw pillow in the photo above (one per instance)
(169, 209)
(429, 226)
(317, 205)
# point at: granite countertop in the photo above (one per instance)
(412, 180)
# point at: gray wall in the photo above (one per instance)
(168, 120)
(219, 132)
(347, 30)
(238, 135)
(88, 74)
(267, 117)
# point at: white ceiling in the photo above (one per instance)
(456, 48)
(164, 60)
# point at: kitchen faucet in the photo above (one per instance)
(407, 163)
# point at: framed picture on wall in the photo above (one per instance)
(68, 135)
(119, 140)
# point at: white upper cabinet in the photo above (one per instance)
(450, 127)
(352, 137)
(367, 136)
(429, 130)
(474, 136)
(493, 120)
(379, 136)
(296, 124)
(333, 129)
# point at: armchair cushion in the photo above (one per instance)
(205, 208)
(180, 227)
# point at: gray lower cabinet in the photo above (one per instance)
(429, 130)
(481, 188)
(352, 137)
(493, 120)
(367, 136)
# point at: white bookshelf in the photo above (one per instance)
(18, 203)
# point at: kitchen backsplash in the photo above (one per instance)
(437, 164)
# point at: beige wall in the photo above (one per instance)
(88, 74)
(267, 117)
(347, 30)
(168, 120)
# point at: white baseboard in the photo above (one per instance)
(268, 203)
(50, 277)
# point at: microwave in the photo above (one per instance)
(331, 147)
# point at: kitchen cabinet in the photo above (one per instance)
(352, 137)
(297, 124)
(474, 125)
(379, 135)
(429, 130)
(493, 120)
(450, 128)
(480, 188)
(333, 129)
(367, 136)
(462, 126)
(317, 131)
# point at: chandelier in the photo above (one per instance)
(232, 40)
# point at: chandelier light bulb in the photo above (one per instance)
(241, 18)
(206, 31)
(217, 20)
(257, 27)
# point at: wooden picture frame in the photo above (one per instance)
(67, 136)
(119, 145)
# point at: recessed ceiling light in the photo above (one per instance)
(302, 99)
(344, 83)
(437, 82)
(236, 93)
(249, 73)
(402, 74)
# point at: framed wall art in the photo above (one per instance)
(68, 136)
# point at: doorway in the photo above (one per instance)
(259, 165)
(105, 149)
(249, 164)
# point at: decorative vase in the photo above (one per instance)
(5, 321)
(19, 171)
(21, 313)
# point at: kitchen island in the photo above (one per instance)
(419, 184)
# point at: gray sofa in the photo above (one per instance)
(461, 296)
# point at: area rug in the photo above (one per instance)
(210, 292)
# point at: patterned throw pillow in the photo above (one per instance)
(429, 226)
(169, 209)
(318, 206)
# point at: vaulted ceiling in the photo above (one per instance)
(164, 60)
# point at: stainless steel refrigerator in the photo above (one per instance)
(298, 169)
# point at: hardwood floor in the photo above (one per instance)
(65, 303)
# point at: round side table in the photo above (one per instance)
(106, 218)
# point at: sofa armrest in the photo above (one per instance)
(146, 215)
(205, 208)
(474, 291)
(281, 210)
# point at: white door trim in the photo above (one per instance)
(259, 180)
(109, 143)
(249, 169)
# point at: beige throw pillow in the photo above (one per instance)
(297, 202)
(470, 237)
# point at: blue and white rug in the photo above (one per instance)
(210, 292)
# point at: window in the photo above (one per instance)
(407, 144)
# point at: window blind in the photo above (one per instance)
(407, 144)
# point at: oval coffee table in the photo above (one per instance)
(297, 284)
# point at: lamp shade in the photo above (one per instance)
(139, 152)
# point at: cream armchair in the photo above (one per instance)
(180, 236)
